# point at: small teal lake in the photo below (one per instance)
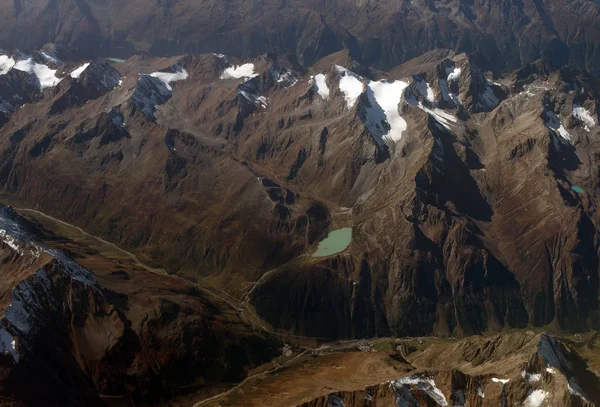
(337, 241)
(577, 189)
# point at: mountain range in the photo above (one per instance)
(396, 188)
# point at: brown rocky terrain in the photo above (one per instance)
(472, 203)
(122, 334)
(523, 369)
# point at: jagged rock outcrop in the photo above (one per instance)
(87, 82)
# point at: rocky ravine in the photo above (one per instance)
(472, 202)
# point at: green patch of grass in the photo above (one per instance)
(385, 346)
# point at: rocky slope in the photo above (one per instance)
(118, 333)
(472, 203)
(520, 369)
(499, 34)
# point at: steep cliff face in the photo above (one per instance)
(82, 336)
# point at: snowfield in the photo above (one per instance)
(245, 71)
(180, 74)
(45, 75)
(383, 118)
(321, 85)
(350, 85)
(535, 399)
(6, 64)
(582, 114)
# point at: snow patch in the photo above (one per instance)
(582, 114)
(286, 78)
(11, 242)
(531, 377)
(168, 77)
(250, 92)
(6, 64)
(535, 399)
(256, 100)
(245, 71)
(497, 380)
(442, 117)
(425, 90)
(553, 122)
(77, 72)
(383, 119)
(453, 74)
(45, 75)
(320, 84)
(351, 85)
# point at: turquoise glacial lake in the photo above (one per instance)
(337, 241)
